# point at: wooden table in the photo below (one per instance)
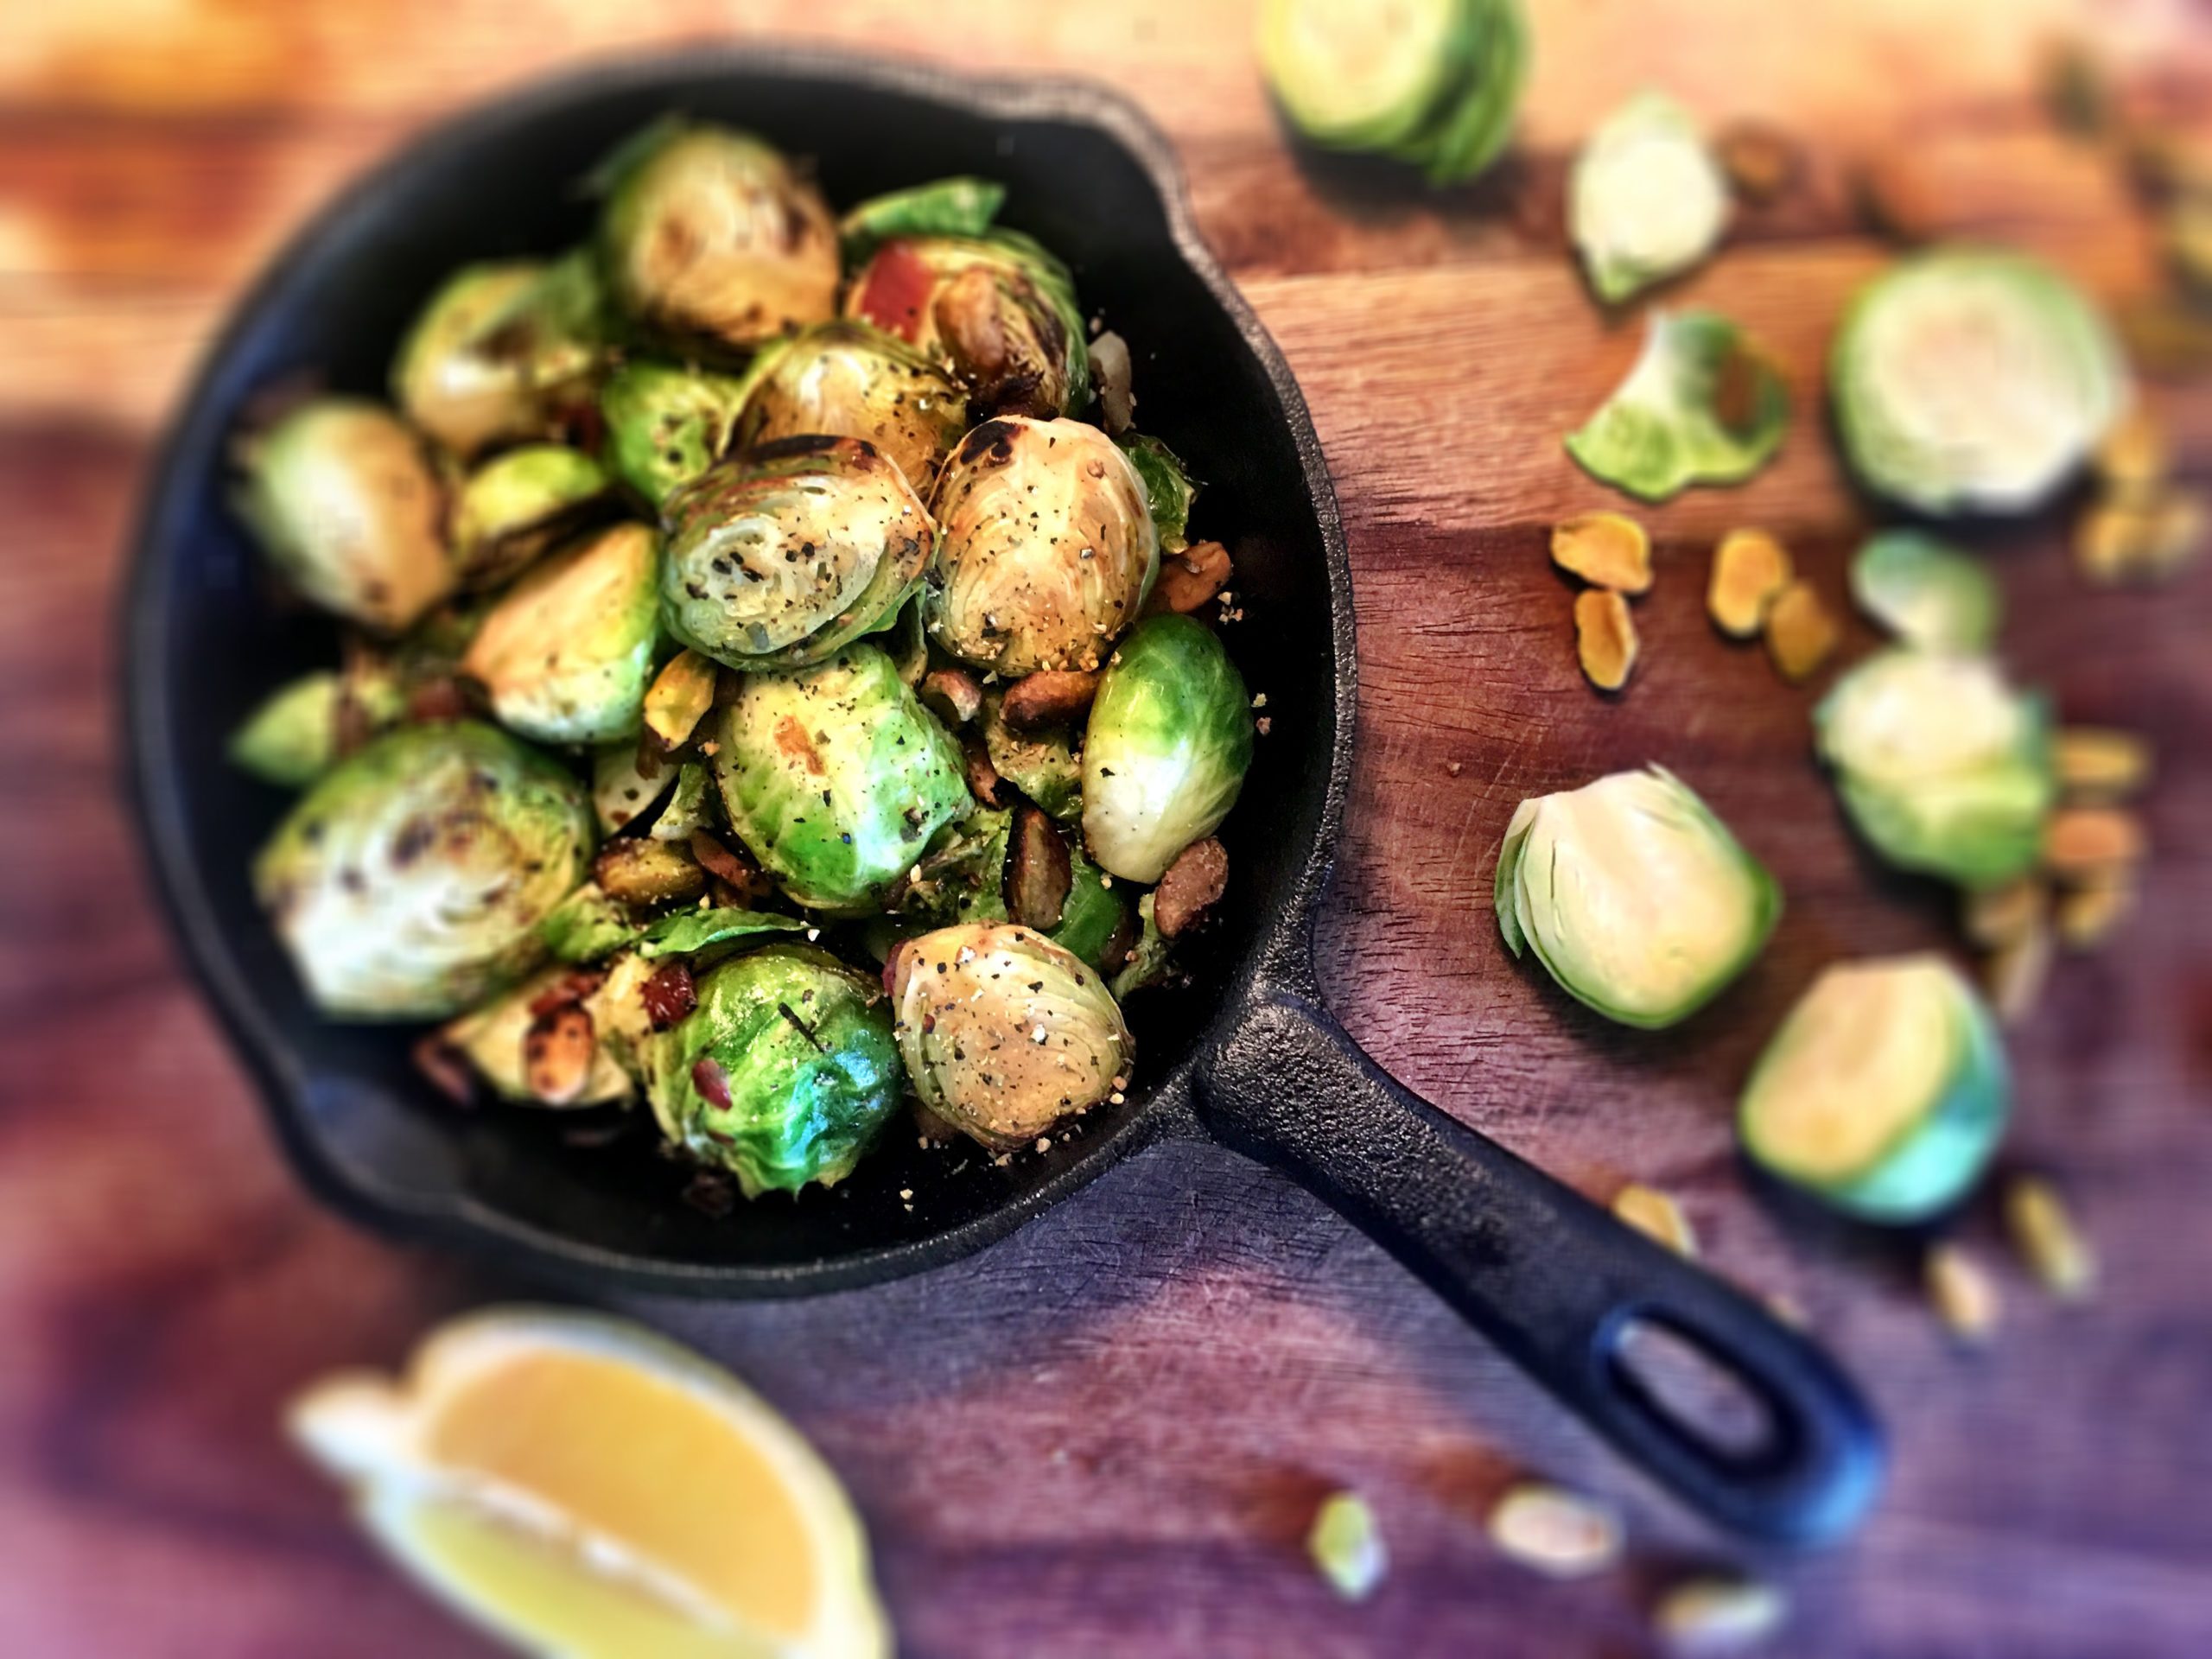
(1107, 1434)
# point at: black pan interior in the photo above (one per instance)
(1093, 183)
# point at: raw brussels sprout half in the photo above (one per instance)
(1646, 199)
(291, 737)
(501, 351)
(1969, 380)
(1634, 896)
(516, 505)
(491, 1040)
(1885, 1091)
(1045, 548)
(779, 556)
(566, 653)
(665, 426)
(344, 500)
(835, 778)
(998, 310)
(411, 881)
(1003, 1032)
(1699, 407)
(1942, 766)
(782, 1074)
(850, 380)
(957, 206)
(708, 231)
(1927, 594)
(1166, 748)
(1168, 488)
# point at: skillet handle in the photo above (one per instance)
(1553, 1280)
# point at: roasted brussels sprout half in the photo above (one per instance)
(291, 737)
(1927, 594)
(1633, 896)
(1003, 1032)
(1884, 1093)
(1165, 750)
(1646, 200)
(1700, 406)
(665, 426)
(343, 499)
(1045, 548)
(496, 1041)
(999, 310)
(502, 352)
(1942, 766)
(566, 654)
(410, 881)
(847, 379)
(515, 506)
(708, 231)
(957, 206)
(835, 778)
(779, 556)
(782, 1074)
(1968, 380)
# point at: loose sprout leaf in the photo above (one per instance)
(1169, 488)
(1973, 380)
(1699, 407)
(1646, 200)
(955, 206)
(1149, 960)
(1927, 594)
(587, 926)
(291, 738)
(1041, 765)
(686, 811)
(691, 932)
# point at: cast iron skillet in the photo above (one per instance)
(1251, 1058)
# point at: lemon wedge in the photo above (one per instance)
(585, 1488)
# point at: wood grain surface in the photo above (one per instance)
(1106, 1436)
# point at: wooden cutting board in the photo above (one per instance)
(1107, 1435)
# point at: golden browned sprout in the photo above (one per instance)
(1993, 918)
(2088, 915)
(1761, 163)
(2136, 457)
(1964, 1295)
(2100, 764)
(1749, 568)
(1657, 1216)
(1609, 549)
(2080, 842)
(1554, 1531)
(1605, 638)
(1706, 1617)
(635, 870)
(2015, 974)
(2044, 1233)
(1800, 632)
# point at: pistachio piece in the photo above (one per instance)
(1761, 162)
(1605, 638)
(2083, 841)
(1749, 568)
(2146, 540)
(1608, 549)
(1993, 918)
(1706, 1617)
(2044, 1233)
(1346, 1545)
(1800, 632)
(2088, 915)
(2099, 763)
(1656, 1215)
(679, 698)
(1964, 1295)
(2136, 457)
(1554, 1531)
(2015, 973)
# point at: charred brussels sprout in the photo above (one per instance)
(1166, 748)
(344, 501)
(710, 231)
(411, 881)
(782, 1074)
(957, 206)
(568, 651)
(836, 777)
(665, 426)
(1967, 380)
(779, 556)
(501, 352)
(849, 380)
(999, 310)
(515, 506)
(1045, 549)
(1003, 1032)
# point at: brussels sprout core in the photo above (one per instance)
(410, 881)
(779, 556)
(566, 655)
(1047, 550)
(850, 380)
(1633, 896)
(1003, 1032)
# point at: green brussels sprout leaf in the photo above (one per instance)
(665, 426)
(1149, 961)
(1699, 407)
(1169, 488)
(1041, 765)
(291, 737)
(956, 207)
(686, 811)
(588, 924)
(688, 933)
(1926, 593)
(1646, 199)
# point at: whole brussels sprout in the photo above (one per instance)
(710, 231)
(516, 505)
(665, 425)
(1169, 740)
(784, 1072)
(567, 654)
(1003, 1032)
(779, 556)
(1973, 380)
(849, 380)
(500, 351)
(836, 777)
(410, 881)
(345, 503)
(998, 308)
(1045, 548)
